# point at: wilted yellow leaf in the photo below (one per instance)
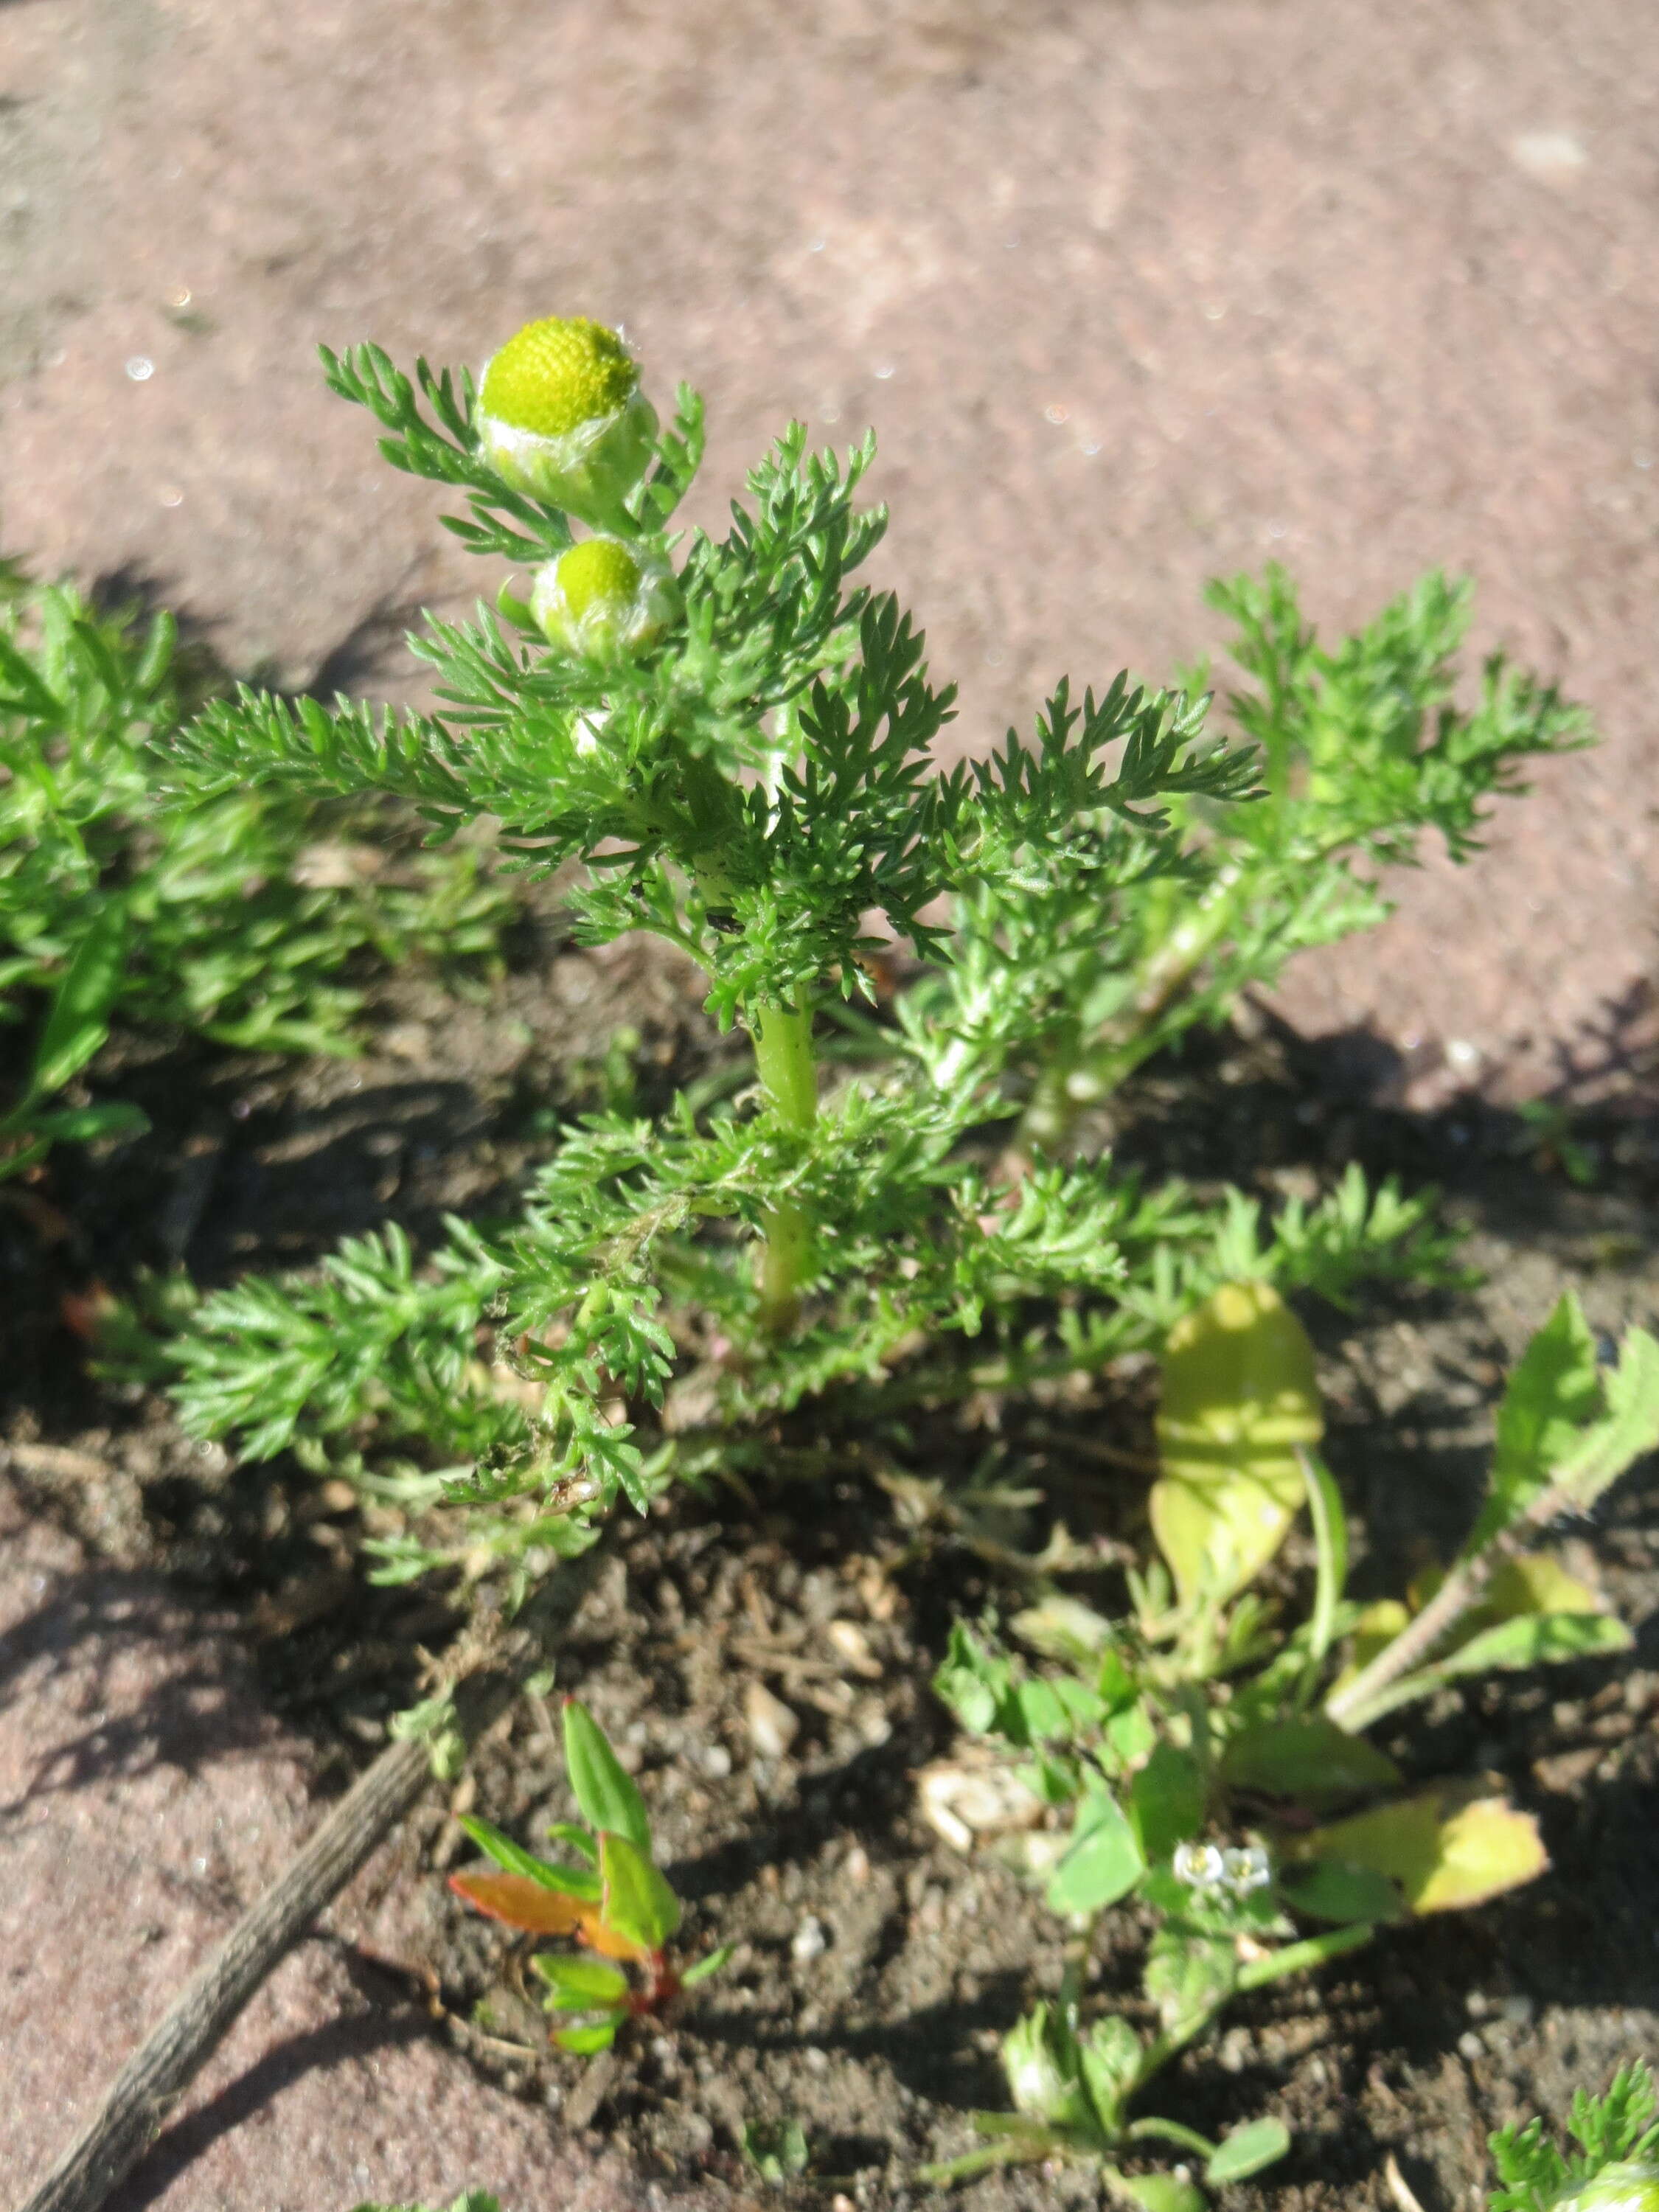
(1239, 1395)
(1536, 1583)
(1448, 1848)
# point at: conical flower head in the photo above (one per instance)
(561, 417)
(604, 598)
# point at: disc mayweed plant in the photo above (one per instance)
(729, 742)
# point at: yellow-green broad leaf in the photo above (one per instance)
(1448, 1848)
(1239, 1396)
(638, 1904)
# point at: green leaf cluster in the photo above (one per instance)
(237, 918)
(611, 1894)
(1612, 2159)
(763, 786)
(1190, 1756)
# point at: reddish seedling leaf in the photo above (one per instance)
(609, 1942)
(521, 1903)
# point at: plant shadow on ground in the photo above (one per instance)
(877, 1969)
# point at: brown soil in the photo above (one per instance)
(876, 1968)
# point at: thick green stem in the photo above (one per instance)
(1302, 1958)
(789, 1077)
(1092, 1071)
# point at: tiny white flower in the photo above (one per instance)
(1199, 1865)
(1246, 1869)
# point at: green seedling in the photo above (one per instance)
(236, 918)
(774, 2150)
(733, 743)
(1548, 1137)
(609, 1894)
(1610, 2164)
(75, 1026)
(1204, 1758)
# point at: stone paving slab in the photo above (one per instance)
(145, 1799)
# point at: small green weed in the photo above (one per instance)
(1206, 1759)
(237, 919)
(611, 1895)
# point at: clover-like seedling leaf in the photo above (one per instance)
(1166, 1801)
(586, 2042)
(1247, 2150)
(604, 1790)
(974, 1683)
(1104, 1860)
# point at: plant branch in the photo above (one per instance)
(1364, 1700)
(788, 1075)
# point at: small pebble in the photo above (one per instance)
(716, 1761)
(810, 1942)
(853, 1646)
(772, 1727)
(1470, 2046)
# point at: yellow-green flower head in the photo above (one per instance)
(1622, 2188)
(604, 598)
(561, 417)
